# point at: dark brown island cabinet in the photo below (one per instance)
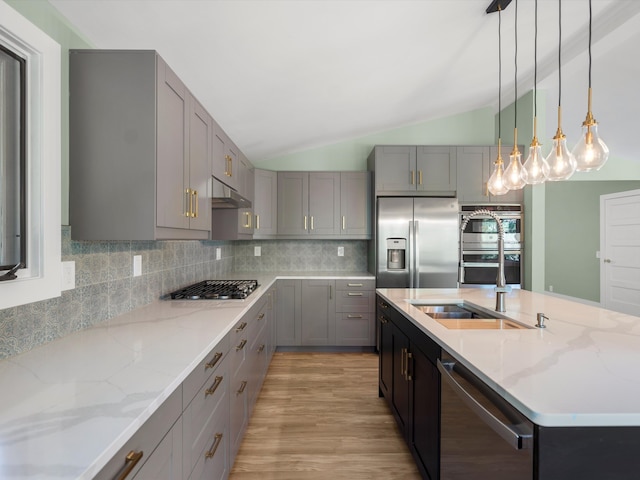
(409, 381)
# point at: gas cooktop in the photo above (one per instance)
(216, 290)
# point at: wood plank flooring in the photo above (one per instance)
(319, 416)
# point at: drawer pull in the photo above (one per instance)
(357, 294)
(261, 348)
(216, 358)
(383, 305)
(214, 447)
(243, 385)
(261, 316)
(214, 386)
(241, 345)
(241, 327)
(383, 320)
(354, 316)
(131, 460)
(354, 285)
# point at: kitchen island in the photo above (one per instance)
(67, 407)
(576, 379)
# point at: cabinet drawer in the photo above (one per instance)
(355, 329)
(146, 439)
(354, 301)
(214, 463)
(207, 367)
(203, 413)
(355, 285)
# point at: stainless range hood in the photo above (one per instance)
(224, 196)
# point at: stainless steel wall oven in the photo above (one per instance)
(479, 246)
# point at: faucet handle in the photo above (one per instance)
(541, 317)
(505, 289)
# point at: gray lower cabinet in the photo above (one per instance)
(318, 319)
(355, 313)
(475, 164)
(289, 313)
(139, 170)
(265, 205)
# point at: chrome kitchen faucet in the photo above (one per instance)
(501, 284)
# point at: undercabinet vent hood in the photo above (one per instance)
(224, 196)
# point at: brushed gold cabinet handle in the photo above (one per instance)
(247, 223)
(383, 305)
(420, 177)
(355, 316)
(311, 222)
(354, 285)
(214, 386)
(409, 377)
(189, 202)
(261, 316)
(241, 327)
(214, 447)
(413, 177)
(355, 294)
(195, 194)
(243, 385)
(230, 166)
(305, 222)
(257, 222)
(330, 292)
(383, 320)
(261, 348)
(131, 460)
(216, 358)
(344, 223)
(241, 345)
(402, 363)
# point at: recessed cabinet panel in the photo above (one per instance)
(293, 203)
(199, 166)
(395, 168)
(355, 203)
(265, 206)
(436, 169)
(324, 203)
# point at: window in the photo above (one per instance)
(12, 159)
(30, 93)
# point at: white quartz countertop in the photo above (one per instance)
(582, 370)
(68, 406)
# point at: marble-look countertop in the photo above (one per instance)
(68, 406)
(582, 370)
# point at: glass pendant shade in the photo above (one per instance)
(590, 152)
(560, 163)
(513, 173)
(496, 183)
(534, 167)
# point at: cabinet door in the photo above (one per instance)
(474, 167)
(512, 196)
(436, 169)
(172, 165)
(324, 203)
(165, 463)
(225, 158)
(245, 179)
(293, 203)
(288, 317)
(386, 356)
(400, 389)
(355, 203)
(395, 168)
(425, 427)
(318, 314)
(265, 205)
(199, 166)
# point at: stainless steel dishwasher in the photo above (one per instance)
(483, 437)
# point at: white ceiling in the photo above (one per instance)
(286, 75)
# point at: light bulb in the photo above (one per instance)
(496, 181)
(590, 152)
(534, 166)
(560, 163)
(513, 174)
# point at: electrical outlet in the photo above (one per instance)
(257, 251)
(598, 254)
(341, 251)
(551, 288)
(218, 253)
(68, 275)
(137, 265)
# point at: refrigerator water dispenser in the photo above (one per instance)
(396, 249)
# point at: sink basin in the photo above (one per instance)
(461, 316)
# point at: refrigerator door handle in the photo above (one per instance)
(416, 253)
(412, 246)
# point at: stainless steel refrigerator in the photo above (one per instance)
(417, 242)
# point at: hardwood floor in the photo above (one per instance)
(319, 417)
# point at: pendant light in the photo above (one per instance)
(560, 163)
(496, 181)
(513, 174)
(533, 169)
(591, 153)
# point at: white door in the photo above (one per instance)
(620, 252)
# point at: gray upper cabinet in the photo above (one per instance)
(265, 205)
(139, 150)
(410, 170)
(355, 203)
(225, 158)
(308, 203)
(475, 164)
(246, 187)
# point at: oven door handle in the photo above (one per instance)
(510, 433)
(479, 264)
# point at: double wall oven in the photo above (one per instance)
(479, 246)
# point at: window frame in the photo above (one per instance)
(40, 280)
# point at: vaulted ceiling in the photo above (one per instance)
(286, 75)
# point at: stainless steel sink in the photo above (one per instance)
(461, 316)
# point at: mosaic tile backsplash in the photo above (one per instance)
(105, 286)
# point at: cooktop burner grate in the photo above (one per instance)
(216, 290)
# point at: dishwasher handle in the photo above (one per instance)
(510, 433)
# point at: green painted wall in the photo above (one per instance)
(470, 128)
(572, 226)
(42, 14)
